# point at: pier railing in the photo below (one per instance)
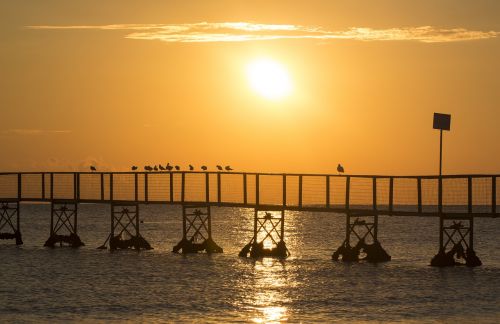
(392, 195)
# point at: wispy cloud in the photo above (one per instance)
(26, 131)
(205, 32)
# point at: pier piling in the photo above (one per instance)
(63, 218)
(9, 220)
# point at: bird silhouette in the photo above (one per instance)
(134, 168)
(161, 167)
(219, 168)
(169, 167)
(93, 168)
(155, 168)
(204, 167)
(228, 168)
(340, 169)
(148, 168)
(177, 167)
(191, 168)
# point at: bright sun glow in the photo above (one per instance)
(269, 79)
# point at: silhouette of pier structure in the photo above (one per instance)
(455, 200)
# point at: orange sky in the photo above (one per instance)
(116, 94)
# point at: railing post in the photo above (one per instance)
(347, 192)
(102, 185)
(469, 195)
(146, 187)
(171, 185)
(245, 188)
(419, 195)
(440, 195)
(493, 195)
(111, 187)
(51, 186)
(43, 186)
(183, 186)
(375, 208)
(75, 186)
(218, 188)
(136, 187)
(19, 186)
(284, 191)
(207, 187)
(257, 198)
(300, 190)
(327, 198)
(391, 194)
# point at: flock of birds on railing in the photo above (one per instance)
(168, 168)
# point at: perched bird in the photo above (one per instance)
(204, 167)
(340, 169)
(191, 168)
(169, 167)
(161, 167)
(92, 168)
(228, 168)
(219, 168)
(148, 168)
(177, 167)
(155, 168)
(134, 168)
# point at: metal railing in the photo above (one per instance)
(392, 195)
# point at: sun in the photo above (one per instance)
(269, 79)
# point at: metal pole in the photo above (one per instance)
(440, 151)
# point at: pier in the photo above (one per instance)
(453, 199)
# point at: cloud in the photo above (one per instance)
(24, 131)
(205, 32)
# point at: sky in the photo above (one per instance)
(121, 83)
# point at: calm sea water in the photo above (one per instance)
(46, 285)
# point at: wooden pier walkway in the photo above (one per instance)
(455, 199)
(471, 195)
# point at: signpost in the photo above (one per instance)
(441, 122)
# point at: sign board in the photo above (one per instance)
(442, 121)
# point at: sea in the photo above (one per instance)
(62, 284)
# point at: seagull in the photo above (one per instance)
(155, 168)
(92, 168)
(148, 168)
(204, 167)
(340, 169)
(177, 167)
(161, 167)
(191, 168)
(219, 168)
(169, 167)
(134, 168)
(228, 168)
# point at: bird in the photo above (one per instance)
(228, 168)
(169, 167)
(340, 169)
(148, 168)
(161, 167)
(204, 167)
(155, 168)
(177, 167)
(93, 168)
(219, 168)
(134, 168)
(191, 168)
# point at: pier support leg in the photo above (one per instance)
(9, 220)
(125, 231)
(363, 230)
(196, 231)
(456, 242)
(64, 218)
(268, 235)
